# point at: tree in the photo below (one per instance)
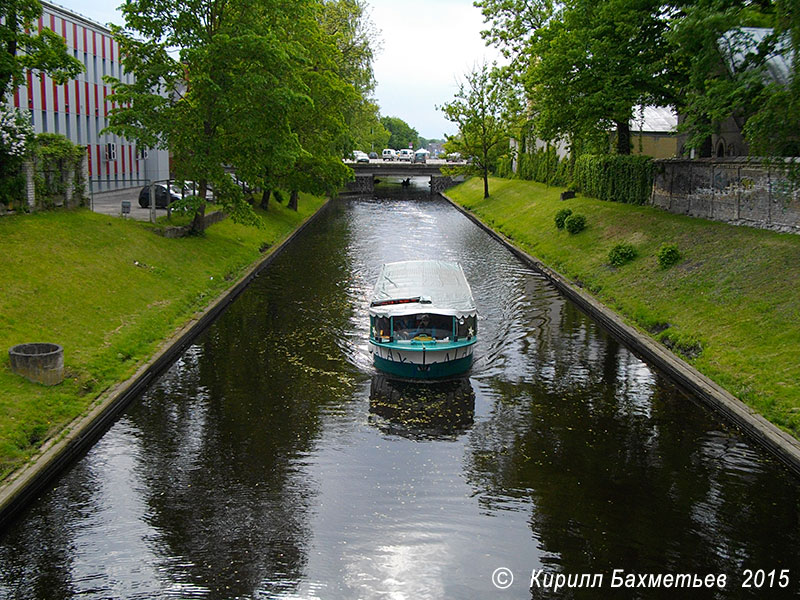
(338, 77)
(482, 132)
(16, 135)
(233, 86)
(773, 128)
(732, 53)
(591, 67)
(45, 52)
(402, 134)
(585, 64)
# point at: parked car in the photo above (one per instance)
(405, 154)
(389, 154)
(420, 156)
(360, 156)
(373, 155)
(242, 184)
(454, 157)
(190, 188)
(164, 196)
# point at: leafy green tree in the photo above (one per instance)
(402, 134)
(20, 49)
(232, 57)
(591, 67)
(482, 131)
(773, 128)
(368, 133)
(338, 77)
(355, 40)
(585, 64)
(731, 72)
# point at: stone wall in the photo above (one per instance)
(441, 183)
(361, 184)
(736, 191)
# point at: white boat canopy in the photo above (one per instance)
(419, 286)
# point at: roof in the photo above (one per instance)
(736, 44)
(422, 286)
(661, 119)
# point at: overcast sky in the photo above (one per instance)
(427, 45)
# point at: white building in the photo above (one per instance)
(79, 109)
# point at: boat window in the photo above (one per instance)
(467, 327)
(381, 327)
(425, 325)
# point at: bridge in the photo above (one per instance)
(366, 173)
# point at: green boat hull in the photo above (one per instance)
(437, 370)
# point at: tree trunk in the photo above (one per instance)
(199, 221)
(293, 200)
(265, 199)
(485, 183)
(623, 137)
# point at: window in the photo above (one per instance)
(423, 325)
(467, 327)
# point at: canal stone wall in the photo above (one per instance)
(361, 184)
(736, 191)
(441, 183)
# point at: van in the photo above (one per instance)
(389, 154)
(405, 154)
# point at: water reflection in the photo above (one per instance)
(273, 461)
(434, 410)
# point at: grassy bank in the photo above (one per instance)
(731, 306)
(109, 291)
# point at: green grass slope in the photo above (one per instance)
(110, 292)
(731, 306)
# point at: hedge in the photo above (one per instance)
(615, 177)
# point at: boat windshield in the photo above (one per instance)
(428, 325)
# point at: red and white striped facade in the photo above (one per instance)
(79, 108)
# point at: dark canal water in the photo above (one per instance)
(271, 461)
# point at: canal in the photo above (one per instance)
(271, 461)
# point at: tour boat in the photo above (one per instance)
(423, 321)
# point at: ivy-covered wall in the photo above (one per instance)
(615, 177)
(59, 173)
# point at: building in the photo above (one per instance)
(653, 132)
(79, 108)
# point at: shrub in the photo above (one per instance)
(544, 165)
(561, 216)
(668, 255)
(575, 223)
(504, 164)
(615, 177)
(621, 254)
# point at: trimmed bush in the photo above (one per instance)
(668, 255)
(575, 223)
(544, 165)
(621, 254)
(615, 177)
(561, 216)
